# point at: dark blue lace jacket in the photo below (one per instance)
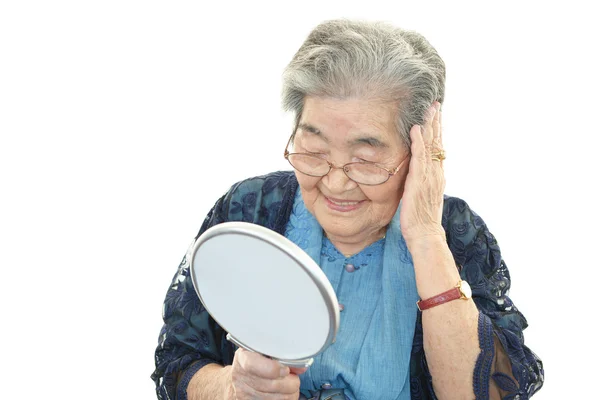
(190, 338)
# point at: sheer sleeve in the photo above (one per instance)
(190, 338)
(506, 367)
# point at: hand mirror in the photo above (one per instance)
(267, 293)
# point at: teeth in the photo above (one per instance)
(344, 203)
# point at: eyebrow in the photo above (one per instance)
(368, 140)
(311, 129)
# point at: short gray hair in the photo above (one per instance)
(375, 60)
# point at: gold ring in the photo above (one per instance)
(438, 156)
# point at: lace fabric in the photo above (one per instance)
(190, 338)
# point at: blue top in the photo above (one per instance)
(191, 339)
(359, 291)
(353, 363)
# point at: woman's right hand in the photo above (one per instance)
(254, 376)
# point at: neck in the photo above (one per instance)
(350, 246)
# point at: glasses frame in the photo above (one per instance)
(391, 172)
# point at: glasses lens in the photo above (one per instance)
(309, 165)
(366, 174)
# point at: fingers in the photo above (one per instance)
(437, 127)
(260, 366)
(417, 147)
(422, 206)
(428, 125)
(440, 122)
(256, 376)
(432, 127)
(426, 140)
(298, 371)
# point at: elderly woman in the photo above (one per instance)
(367, 192)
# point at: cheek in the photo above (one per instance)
(308, 186)
(381, 196)
(385, 196)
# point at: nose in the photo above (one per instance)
(337, 181)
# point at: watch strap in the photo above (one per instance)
(449, 295)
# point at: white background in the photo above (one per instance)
(122, 122)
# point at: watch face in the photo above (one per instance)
(466, 289)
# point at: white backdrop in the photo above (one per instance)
(122, 122)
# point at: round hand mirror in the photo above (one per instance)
(265, 291)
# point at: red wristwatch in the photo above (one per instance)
(461, 291)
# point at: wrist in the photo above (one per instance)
(228, 390)
(435, 269)
(213, 381)
(425, 243)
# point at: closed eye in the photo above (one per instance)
(363, 161)
(321, 155)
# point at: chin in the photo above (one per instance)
(338, 226)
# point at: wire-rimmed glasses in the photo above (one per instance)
(361, 172)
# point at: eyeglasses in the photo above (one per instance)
(363, 173)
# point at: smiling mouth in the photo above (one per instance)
(343, 202)
(343, 205)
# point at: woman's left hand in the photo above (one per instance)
(423, 198)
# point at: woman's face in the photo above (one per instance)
(344, 131)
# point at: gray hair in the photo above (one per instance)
(374, 60)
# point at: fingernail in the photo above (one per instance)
(283, 371)
(438, 106)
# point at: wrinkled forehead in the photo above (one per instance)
(350, 122)
(353, 139)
